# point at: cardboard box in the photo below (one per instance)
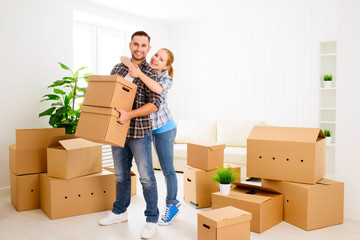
(198, 186)
(206, 156)
(25, 191)
(69, 157)
(224, 224)
(110, 91)
(133, 180)
(64, 198)
(266, 205)
(309, 206)
(286, 153)
(28, 155)
(99, 125)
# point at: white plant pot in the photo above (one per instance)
(224, 189)
(328, 140)
(327, 84)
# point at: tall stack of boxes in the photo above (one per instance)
(98, 118)
(27, 159)
(202, 161)
(293, 161)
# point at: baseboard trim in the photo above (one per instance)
(5, 191)
(353, 214)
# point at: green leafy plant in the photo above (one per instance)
(327, 133)
(63, 112)
(225, 175)
(328, 77)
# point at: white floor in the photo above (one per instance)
(35, 224)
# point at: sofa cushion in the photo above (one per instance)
(235, 155)
(196, 131)
(234, 133)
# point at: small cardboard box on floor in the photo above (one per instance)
(65, 198)
(98, 115)
(69, 157)
(311, 206)
(286, 153)
(206, 156)
(25, 191)
(224, 224)
(133, 180)
(28, 155)
(266, 205)
(198, 186)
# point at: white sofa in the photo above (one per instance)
(232, 133)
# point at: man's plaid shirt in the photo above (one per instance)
(140, 126)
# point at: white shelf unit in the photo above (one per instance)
(327, 100)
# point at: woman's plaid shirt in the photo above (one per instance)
(140, 126)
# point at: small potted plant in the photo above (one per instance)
(224, 177)
(327, 134)
(327, 80)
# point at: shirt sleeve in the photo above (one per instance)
(152, 97)
(166, 82)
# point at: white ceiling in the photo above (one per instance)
(184, 9)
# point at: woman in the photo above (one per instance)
(164, 128)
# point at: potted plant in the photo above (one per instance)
(327, 134)
(224, 177)
(63, 111)
(327, 80)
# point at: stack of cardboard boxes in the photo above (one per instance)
(98, 118)
(202, 161)
(27, 159)
(291, 163)
(75, 183)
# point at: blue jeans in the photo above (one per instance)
(164, 146)
(140, 149)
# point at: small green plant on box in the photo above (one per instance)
(327, 133)
(63, 112)
(225, 175)
(328, 77)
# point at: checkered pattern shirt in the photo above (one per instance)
(140, 126)
(163, 115)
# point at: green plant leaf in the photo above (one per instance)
(72, 112)
(47, 112)
(58, 83)
(62, 110)
(63, 66)
(54, 120)
(50, 97)
(59, 91)
(69, 78)
(67, 101)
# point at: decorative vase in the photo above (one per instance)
(224, 189)
(327, 84)
(328, 140)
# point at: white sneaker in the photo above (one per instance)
(149, 230)
(112, 218)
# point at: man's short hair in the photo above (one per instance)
(140, 33)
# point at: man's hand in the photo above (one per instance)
(124, 116)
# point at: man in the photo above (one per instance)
(138, 142)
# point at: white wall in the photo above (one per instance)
(348, 102)
(35, 35)
(257, 65)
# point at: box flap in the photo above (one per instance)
(325, 181)
(217, 147)
(225, 216)
(251, 186)
(55, 141)
(295, 134)
(100, 110)
(36, 138)
(77, 143)
(112, 78)
(250, 195)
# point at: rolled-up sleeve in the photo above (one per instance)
(152, 97)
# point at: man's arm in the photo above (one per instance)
(139, 112)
